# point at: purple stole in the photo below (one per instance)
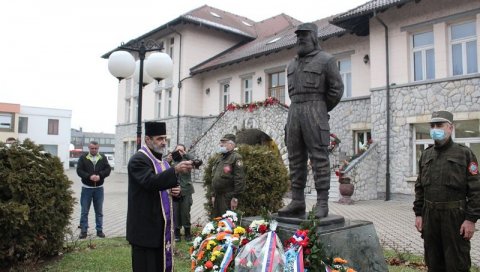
(165, 200)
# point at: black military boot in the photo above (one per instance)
(188, 235)
(177, 235)
(296, 208)
(321, 208)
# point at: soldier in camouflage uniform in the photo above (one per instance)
(182, 204)
(315, 87)
(228, 178)
(447, 198)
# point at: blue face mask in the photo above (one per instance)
(222, 149)
(437, 134)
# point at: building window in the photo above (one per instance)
(158, 104)
(127, 110)
(423, 56)
(225, 95)
(135, 108)
(6, 121)
(247, 90)
(464, 132)
(169, 102)
(171, 48)
(345, 67)
(23, 125)
(276, 86)
(464, 48)
(361, 139)
(52, 126)
(52, 149)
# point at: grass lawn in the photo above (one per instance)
(113, 254)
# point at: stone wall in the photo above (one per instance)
(415, 103)
(270, 120)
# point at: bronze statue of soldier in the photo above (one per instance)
(315, 87)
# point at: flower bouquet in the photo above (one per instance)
(215, 247)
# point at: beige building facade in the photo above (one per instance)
(400, 60)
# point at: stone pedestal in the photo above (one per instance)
(354, 240)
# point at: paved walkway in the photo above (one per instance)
(393, 220)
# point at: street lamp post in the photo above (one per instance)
(158, 66)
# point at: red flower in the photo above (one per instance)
(304, 243)
(244, 242)
(307, 251)
(262, 229)
(208, 265)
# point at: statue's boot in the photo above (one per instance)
(321, 208)
(296, 208)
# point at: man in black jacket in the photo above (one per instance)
(92, 168)
(151, 185)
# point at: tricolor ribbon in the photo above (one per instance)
(271, 245)
(298, 266)
(227, 258)
(228, 224)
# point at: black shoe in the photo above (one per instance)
(100, 234)
(83, 235)
(188, 235)
(177, 235)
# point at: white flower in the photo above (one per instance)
(208, 228)
(256, 223)
(197, 241)
(199, 269)
(231, 214)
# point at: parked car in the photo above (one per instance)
(73, 162)
(111, 160)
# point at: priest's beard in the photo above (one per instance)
(160, 149)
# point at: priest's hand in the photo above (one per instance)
(183, 167)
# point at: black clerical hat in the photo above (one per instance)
(155, 129)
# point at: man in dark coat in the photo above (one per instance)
(315, 87)
(151, 185)
(447, 198)
(228, 180)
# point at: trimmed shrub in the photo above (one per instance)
(266, 180)
(35, 203)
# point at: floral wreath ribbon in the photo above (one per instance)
(165, 200)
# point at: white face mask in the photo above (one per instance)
(222, 149)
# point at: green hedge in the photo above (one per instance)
(266, 180)
(35, 203)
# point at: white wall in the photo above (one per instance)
(408, 19)
(38, 129)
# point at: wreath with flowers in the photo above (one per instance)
(305, 250)
(215, 247)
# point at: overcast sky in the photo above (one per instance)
(50, 49)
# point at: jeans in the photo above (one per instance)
(89, 194)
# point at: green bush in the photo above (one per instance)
(266, 180)
(35, 203)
